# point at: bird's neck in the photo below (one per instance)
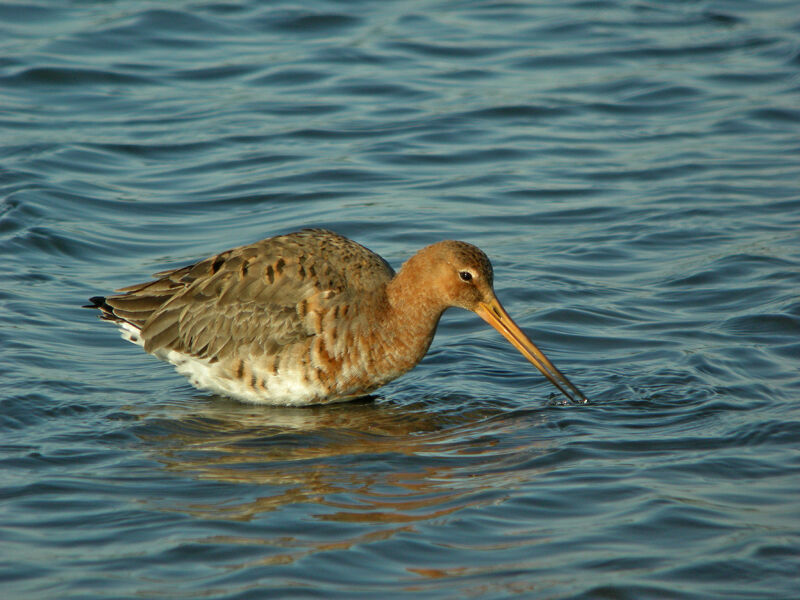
(414, 312)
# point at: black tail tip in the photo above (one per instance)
(96, 302)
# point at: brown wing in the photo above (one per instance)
(256, 296)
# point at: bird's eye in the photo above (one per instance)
(465, 275)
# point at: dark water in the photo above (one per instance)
(633, 169)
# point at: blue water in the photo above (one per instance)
(633, 170)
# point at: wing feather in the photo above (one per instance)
(259, 296)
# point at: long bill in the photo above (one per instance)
(493, 313)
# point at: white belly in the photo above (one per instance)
(288, 388)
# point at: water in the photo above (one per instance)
(633, 170)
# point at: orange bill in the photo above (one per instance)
(493, 313)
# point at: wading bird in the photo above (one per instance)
(310, 317)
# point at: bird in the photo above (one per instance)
(310, 317)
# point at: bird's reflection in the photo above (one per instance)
(384, 467)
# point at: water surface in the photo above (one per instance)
(632, 170)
